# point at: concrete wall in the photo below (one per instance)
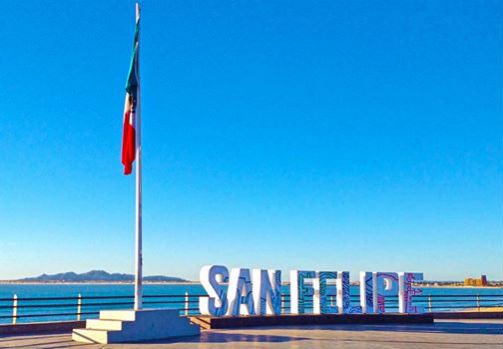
(41, 327)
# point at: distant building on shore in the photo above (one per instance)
(481, 281)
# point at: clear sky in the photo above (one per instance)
(329, 135)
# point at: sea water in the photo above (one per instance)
(56, 307)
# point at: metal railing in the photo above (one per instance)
(77, 308)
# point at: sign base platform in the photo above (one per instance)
(120, 326)
(213, 322)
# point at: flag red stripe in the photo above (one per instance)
(128, 144)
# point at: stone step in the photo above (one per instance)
(119, 326)
(85, 335)
(124, 315)
(101, 324)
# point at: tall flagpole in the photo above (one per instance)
(138, 228)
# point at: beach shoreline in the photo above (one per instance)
(98, 283)
(7, 282)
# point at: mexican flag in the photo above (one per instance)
(131, 106)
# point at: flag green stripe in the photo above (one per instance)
(132, 81)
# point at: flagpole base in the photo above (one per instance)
(122, 326)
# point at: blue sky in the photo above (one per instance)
(324, 135)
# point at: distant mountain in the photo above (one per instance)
(97, 276)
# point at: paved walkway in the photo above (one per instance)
(483, 334)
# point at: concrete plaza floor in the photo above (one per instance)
(442, 334)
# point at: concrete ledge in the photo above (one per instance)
(205, 322)
(482, 315)
(208, 322)
(41, 327)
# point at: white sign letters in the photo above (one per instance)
(258, 291)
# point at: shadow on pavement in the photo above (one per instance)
(439, 327)
(225, 337)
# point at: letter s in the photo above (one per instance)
(216, 302)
